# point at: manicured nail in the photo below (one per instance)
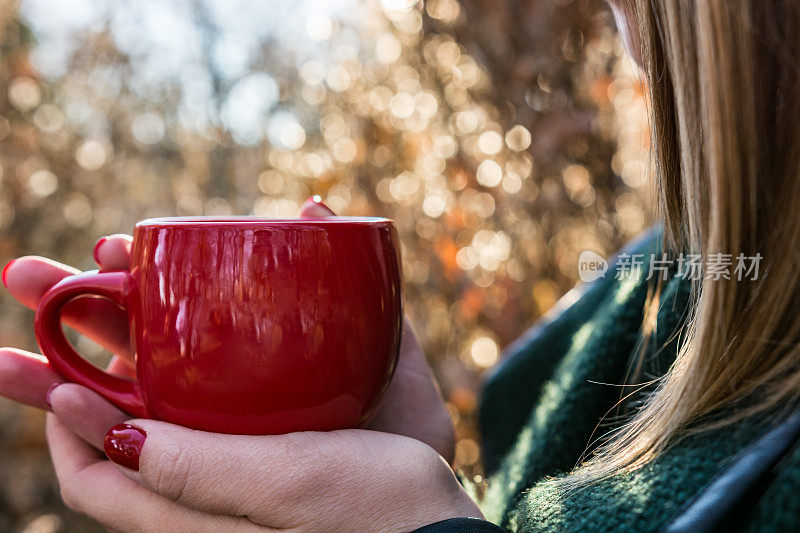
(315, 202)
(97, 247)
(50, 393)
(5, 271)
(123, 445)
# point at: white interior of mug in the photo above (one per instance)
(169, 221)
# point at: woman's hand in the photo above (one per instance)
(26, 377)
(333, 474)
(182, 479)
(411, 406)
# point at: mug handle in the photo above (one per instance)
(115, 286)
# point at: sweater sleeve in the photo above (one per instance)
(461, 525)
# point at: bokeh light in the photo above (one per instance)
(503, 139)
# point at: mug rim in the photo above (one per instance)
(256, 220)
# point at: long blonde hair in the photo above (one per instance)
(724, 85)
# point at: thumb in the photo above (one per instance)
(292, 481)
(205, 471)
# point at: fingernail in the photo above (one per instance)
(5, 271)
(49, 393)
(316, 201)
(123, 445)
(97, 247)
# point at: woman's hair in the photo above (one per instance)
(724, 88)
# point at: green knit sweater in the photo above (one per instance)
(546, 405)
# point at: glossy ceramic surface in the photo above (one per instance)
(248, 326)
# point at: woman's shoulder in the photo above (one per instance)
(745, 476)
(560, 390)
(595, 323)
(707, 481)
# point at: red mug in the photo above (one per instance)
(246, 325)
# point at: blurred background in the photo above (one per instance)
(504, 138)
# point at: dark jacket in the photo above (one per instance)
(557, 393)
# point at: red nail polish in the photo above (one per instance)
(123, 444)
(50, 392)
(97, 247)
(5, 271)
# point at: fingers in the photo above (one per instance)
(204, 470)
(119, 366)
(84, 412)
(313, 207)
(26, 377)
(93, 486)
(292, 481)
(28, 278)
(113, 252)
(101, 321)
(70, 454)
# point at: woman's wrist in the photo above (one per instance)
(425, 490)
